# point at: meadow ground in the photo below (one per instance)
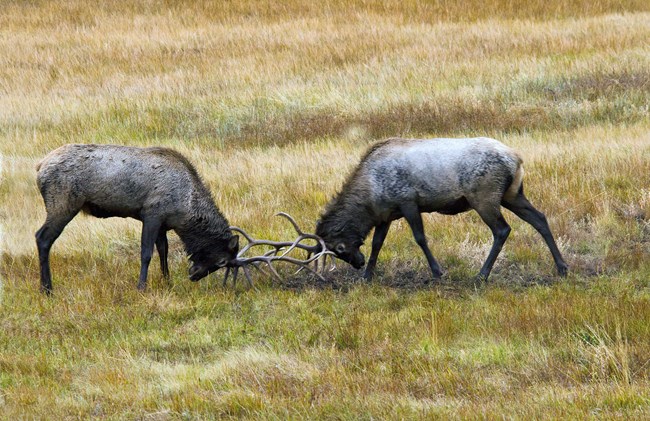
(275, 104)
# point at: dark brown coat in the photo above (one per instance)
(404, 177)
(157, 186)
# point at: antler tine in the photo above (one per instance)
(235, 273)
(296, 244)
(252, 242)
(248, 276)
(225, 277)
(242, 232)
(269, 259)
(261, 269)
(280, 252)
(324, 266)
(247, 236)
(293, 221)
(302, 236)
(332, 264)
(275, 273)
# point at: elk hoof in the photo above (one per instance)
(436, 277)
(481, 278)
(563, 270)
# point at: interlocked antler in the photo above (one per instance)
(280, 252)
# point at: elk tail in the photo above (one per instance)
(517, 181)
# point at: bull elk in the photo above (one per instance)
(404, 177)
(157, 186)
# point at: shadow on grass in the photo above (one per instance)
(453, 283)
(458, 280)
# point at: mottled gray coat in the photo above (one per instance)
(404, 177)
(157, 186)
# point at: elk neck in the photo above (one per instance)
(204, 227)
(349, 213)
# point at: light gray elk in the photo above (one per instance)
(157, 186)
(404, 177)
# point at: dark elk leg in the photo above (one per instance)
(161, 246)
(45, 237)
(377, 241)
(500, 230)
(414, 219)
(521, 207)
(150, 230)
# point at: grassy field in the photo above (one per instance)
(275, 103)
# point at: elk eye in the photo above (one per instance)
(340, 248)
(222, 262)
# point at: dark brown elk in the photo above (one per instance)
(157, 186)
(405, 177)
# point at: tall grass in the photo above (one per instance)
(275, 103)
(157, 76)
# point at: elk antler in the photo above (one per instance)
(280, 252)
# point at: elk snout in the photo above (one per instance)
(197, 272)
(358, 260)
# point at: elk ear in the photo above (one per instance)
(340, 248)
(233, 244)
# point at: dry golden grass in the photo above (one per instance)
(274, 103)
(155, 77)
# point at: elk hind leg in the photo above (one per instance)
(521, 207)
(45, 237)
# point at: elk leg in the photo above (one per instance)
(377, 241)
(45, 237)
(162, 247)
(521, 207)
(149, 234)
(500, 231)
(414, 219)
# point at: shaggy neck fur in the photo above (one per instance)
(347, 216)
(205, 228)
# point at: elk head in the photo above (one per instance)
(207, 261)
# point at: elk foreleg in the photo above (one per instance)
(45, 237)
(412, 215)
(377, 241)
(150, 230)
